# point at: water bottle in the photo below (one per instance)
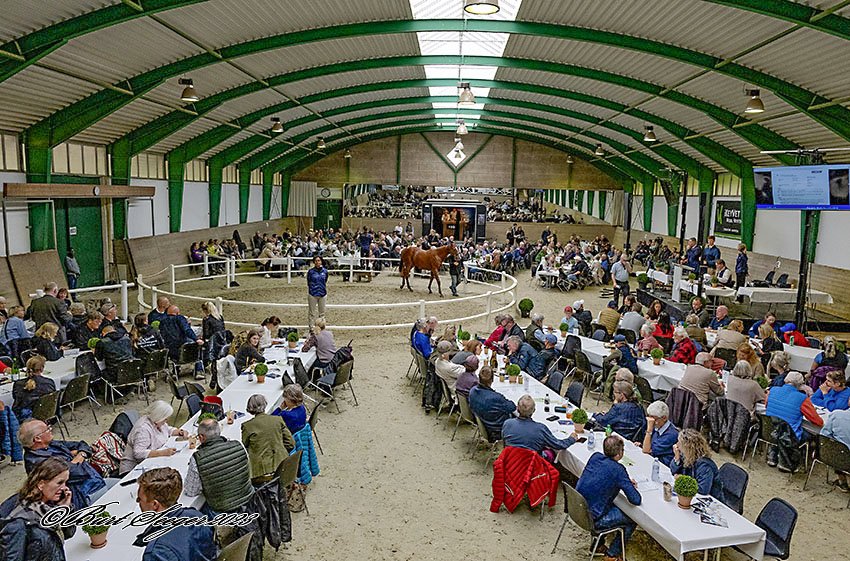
(656, 471)
(591, 440)
(250, 375)
(546, 399)
(608, 431)
(791, 342)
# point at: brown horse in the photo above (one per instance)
(430, 260)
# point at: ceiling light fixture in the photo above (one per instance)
(321, 144)
(461, 128)
(189, 94)
(466, 96)
(754, 104)
(649, 134)
(347, 154)
(277, 127)
(570, 160)
(599, 150)
(481, 7)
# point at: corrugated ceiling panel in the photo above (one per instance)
(208, 80)
(225, 22)
(728, 93)
(323, 106)
(686, 149)
(357, 77)
(247, 104)
(238, 137)
(122, 121)
(681, 114)
(21, 17)
(280, 61)
(643, 66)
(190, 131)
(741, 146)
(604, 90)
(594, 110)
(806, 132)
(701, 26)
(35, 93)
(808, 58)
(425, 107)
(122, 51)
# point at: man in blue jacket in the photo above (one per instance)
(692, 255)
(601, 481)
(176, 332)
(489, 405)
(317, 289)
(159, 490)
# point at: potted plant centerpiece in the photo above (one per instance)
(97, 534)
(579, 420)
(512, 371)
(714, 282)
(564, 327)
(657, 354)
(260, 370)
(686, 487)
(292, 339)
(642, 280)
(525, 306)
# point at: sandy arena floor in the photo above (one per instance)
(393, 485)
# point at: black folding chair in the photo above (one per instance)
(577, 509)
(76, 391)
(631, 336)
(734, 480)
(47, 409)
(332, 381)
(190, 354)
(128, 373)
(832, 454)
(575, 393)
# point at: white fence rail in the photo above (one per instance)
(122, 286)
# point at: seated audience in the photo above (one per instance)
(149, 435)
(742, 388)
(110, 317)
(489, 405)
(701, 380)
(212, 323)
(225, 490)
(789, 332)
(90, 329)
(663, 326)
(647, 342)
(159, 490)
(144, 338)
(747, 352)
(268, 331)
(422, 338)
(684, 351)
(292, 409)
(445, 368)
(79, 316)
(769, 343)
(249, 352)
(14, 332)
(654, 310)
(323, 339)
(524, 432)
(633, 318)
(469, 378)
(833, 393)
(830, 358)
(161, 311)
(43, 342)
(22, 536)
(27, 392)
(176, 332)
(519, 352)
(626, 416)
(534, 332)
(266, 438)
(661, 435)
(769, 320)
(511, 330)
(600, 483)
(470, 347)
(610, 318)
(731, 337)
(695, 332)
(721, 318)
(778, 367)
(700, 311)
(540, 362)
(85, 482)
(692, 456)
(584, 317)
(837, 427)
(572, 323)
(114, 348)
(789, 403)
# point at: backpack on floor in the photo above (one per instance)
(107, 451)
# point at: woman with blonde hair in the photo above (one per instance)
(769, 344)
(213, 322)
(829, 359)
(746, 352)
(27, 392)
(692, 456)
(731, 337)
(323, 339)
(742, 388)
(42, 342)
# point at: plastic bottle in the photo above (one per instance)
(791, 342)
(546, 399)
(250, 375)
(608, 431)
(656, 471)
(591, 440)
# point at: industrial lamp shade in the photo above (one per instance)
(321, 144)
(649, 134)
(189, 94)
(461, 128)
(481, 7)
(277, 127)
(754, 104)
(466, 96)
(599, 150)
(347, 154)
(570, 160)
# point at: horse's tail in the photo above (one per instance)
(401, 260)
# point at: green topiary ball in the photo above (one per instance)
(686, 486)
(579, 416)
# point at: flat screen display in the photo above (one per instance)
(824, 187)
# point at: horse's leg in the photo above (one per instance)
(436, 274)
(430, 282)
(403, 276)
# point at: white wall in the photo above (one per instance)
(18, 216)
(139, 215)
(229, 213)
(196, 206)
(659, 216)
(255, 203)
(832, 241)
(637, 212)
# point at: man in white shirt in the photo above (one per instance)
(620, 274)
(633, 319)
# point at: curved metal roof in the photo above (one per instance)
(595, 71)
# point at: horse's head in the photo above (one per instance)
(453, 249)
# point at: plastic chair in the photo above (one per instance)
(466, 415)
(555, 381)
(7, 360)
(631, 336)
(584, 369)
(832, 454)
(575, 507)
(238, 550)
(76, 391)
(313, 420)
(128, 373)
(193, 388)
(766, 436)
(448, 397)
(46, 409)
(177, 392)
(28, 354)
(287, 473)
(642, 385)
(575, 393)
(190, 354)
(342, 377)
(666, 344)
(768, 280)
(778, 519)
(123, 423)
(483, 435)
(594, 327)
(730, 356)
(734, 480)
(193, 404)
(813, 342)
(782, 281)
(155, 362)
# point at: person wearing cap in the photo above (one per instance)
(584, 317)
(569, 319)
(579, 268)
(626, 416)
(620, 272)
(469, 377)
(110, 317)
(519, 352)
(790, 330)
(790, 404)
(445, 368)
(621, 356)
(610, 318)
(539, 364)
(721, 318)
(701, 380)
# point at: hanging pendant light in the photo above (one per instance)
(649, 134)
(481, 7)
(189, 94)
(347, 154)
(599, 150)
(570, 160)
(466, 96)
(461, 128)
(277, 127)
(754, 104)
(321, 144)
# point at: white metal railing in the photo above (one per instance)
(507, 285)
(122, 286)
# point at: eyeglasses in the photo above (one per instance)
(45, 431)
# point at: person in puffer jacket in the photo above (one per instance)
(113, 348)
(518, 472)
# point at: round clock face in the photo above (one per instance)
(326, 192)
(95, 191)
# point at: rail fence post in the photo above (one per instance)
(173, 280)
(422, 308)
(125, 306)
(351, 270)
(289, 270)
(140, 297)
(489, 305)
(154, 296)
(227, 273)
(206, 264)
(220, 302)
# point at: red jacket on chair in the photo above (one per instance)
(520, 471)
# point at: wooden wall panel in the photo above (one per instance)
(33, 270)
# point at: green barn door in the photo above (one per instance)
(326, 208)
(85, 216)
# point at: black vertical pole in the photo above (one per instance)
(684, 187)
(803, 282)
(703, 201)
(627, 223)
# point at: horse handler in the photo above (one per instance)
(317, 291)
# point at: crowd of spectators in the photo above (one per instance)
(526, 211)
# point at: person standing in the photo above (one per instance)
(742, 267)
(72, 270)
(620, 272)
(317, 288)
(455, 268)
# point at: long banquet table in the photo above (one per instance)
(60, 371)
(774, 295)
(122, 500)
(678, 531)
